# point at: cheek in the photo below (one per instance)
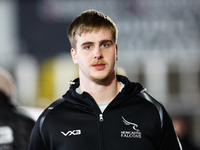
(81, 59)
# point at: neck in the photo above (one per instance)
(102, 93)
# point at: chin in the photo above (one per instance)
(101, 79)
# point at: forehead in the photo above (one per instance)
(99, 35)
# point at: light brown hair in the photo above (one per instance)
(88, 21)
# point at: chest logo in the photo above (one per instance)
(135, 133)
(130, 123)
(69, 133)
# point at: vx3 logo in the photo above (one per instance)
(69, 133)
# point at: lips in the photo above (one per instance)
(99, 66)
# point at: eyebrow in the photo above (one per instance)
(86, 43)
(103, 41)
(106, 41)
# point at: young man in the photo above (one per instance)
(101, 110)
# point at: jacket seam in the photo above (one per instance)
(158, 106)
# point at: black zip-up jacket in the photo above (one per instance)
(132, 121)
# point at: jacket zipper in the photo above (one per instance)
(101, 131)
(101, 117)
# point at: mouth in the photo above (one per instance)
(99, 66)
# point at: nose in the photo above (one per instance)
(97, 53)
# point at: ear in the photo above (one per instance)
(74, 57)
(116, 48)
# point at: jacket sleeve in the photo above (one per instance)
(36, 139)
(167, 140)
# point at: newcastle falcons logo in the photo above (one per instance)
(135, 133)
(130, 123)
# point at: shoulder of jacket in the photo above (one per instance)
(158, 105)
(46, 112)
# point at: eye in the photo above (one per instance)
(88, 47)
(104, 45)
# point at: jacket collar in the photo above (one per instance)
(130, 89)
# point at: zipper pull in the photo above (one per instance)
(101, 117)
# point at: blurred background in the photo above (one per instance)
(159, 46)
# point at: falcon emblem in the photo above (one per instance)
(130, 123)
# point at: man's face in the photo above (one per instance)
(96, 54)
